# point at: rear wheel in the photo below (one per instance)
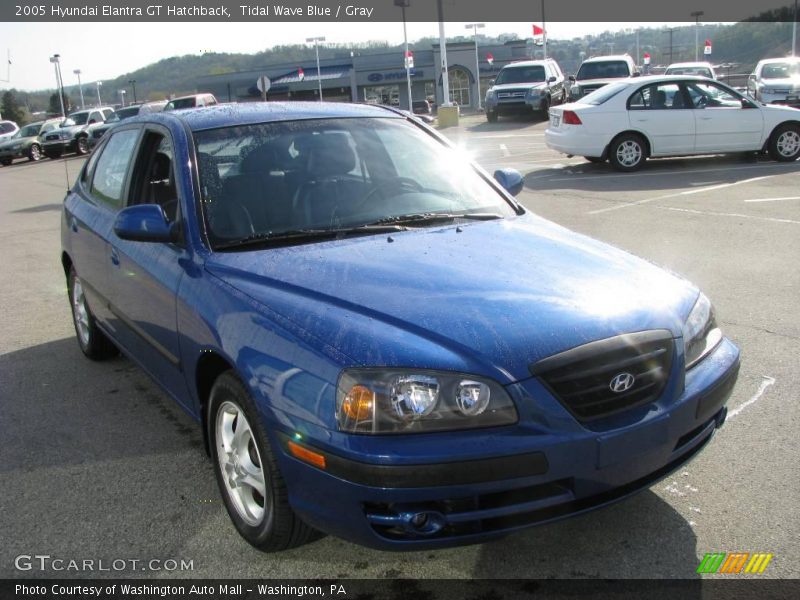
(545, 110)
(252, 486)
(784, 144)
(35, 153)
(627, 152)
(92, 341)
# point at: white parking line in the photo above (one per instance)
(768, 381)
(504, 150)
(736, 215)
(506, 135)
(677, 194)
(682, 172)
(773, 199)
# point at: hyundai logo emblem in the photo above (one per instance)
(622, 382)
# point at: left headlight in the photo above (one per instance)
(419, 401)
(535, 92)
(700, 332)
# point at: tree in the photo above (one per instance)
(55, 105)
(11, 109)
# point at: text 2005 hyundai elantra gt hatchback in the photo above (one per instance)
(378, 341)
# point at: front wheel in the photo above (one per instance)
(92, 341)
(82, 145)
(252, 487)
(35, 153)
(6, 162)
(627, 152)
(784, 144)
(491, 117)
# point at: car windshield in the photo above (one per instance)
(124, 113)
(782, 70)
(534, 74)
(77, 119)
(29, 130)
(322, 176)
(700, 71)
(604, 94)
(181, 103)
(609, 69)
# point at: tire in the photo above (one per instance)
(53, 154)
(627, 152)
(784, 143)
(545, 110)
(82, 145)
(595, 159)
(6, 162)
(259, 507)
(491, 117)
(92, 341)
(35, 152)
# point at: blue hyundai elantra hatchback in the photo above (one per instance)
(378, 341)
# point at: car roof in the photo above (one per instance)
(625, 57)
(250, 113)
(527, 63)
(690, 64)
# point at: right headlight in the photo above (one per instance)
(419, 401)
(700, 332)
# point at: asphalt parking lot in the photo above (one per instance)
(97, 463)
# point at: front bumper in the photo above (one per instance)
(487, 483)
(515, 107)
(58, 146)
(791, 99)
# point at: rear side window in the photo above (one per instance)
(603, 70)
(6, 127)
(108, 180)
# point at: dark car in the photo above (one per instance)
(96, 132)
(376, 339)
(421, 107)
(27, 142)
(73, 133)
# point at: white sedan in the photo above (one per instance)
(634, 119)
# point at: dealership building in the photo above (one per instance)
(375, 78)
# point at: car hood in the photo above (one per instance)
(786, 82)
(500, 295)
(516, 86)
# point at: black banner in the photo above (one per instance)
(277, 11)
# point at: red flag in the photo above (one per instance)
(707, 49)
(537, 31)
(301, 74)
(489, 57)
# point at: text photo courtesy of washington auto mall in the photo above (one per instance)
(399, 298)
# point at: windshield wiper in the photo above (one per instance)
(433, 217)
(293, 236)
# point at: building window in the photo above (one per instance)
(430, 92)
(459, 86)
(382, 94)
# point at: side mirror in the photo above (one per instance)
(748, 104)
(92, 121)
(636, 74)
(572, 78)
(510, 179)
(552, 79)
(751, 77)
(145, 223)
(492, 80)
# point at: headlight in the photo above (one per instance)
(419, 401)
(575, 91)
(534, 92)
(490, 94)
(700, 332)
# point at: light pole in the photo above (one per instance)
(443, 56)
(80, 87)
(475, 27)
(316, 41)
(544, 34)
(794, 30)
(133, 83)
(403, 4)
(122, 97)
(55, 60)
(98, 84)
(696, 14)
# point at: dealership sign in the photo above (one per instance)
(393, 75)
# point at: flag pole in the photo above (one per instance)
(544, 34)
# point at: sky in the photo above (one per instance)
(107, 50)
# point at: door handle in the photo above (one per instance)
(641, 120)
(115, 257)
(705, 118)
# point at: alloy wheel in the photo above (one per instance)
(788, 143)
(80, 312)
(629, 153)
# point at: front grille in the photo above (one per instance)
(511, 94)
(53, 136)
(637, 365)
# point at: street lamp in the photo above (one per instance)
(475, 27)
(696, 14)
(59, 84)
(133, 83)
(80, 87)
(98, 84)
(316, 41)
(122, 97)
(403, 4)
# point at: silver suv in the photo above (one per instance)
(524, 87)
(776, 81)
(597, 71)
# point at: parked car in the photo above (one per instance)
(701, 69)
(192, 101)
(378, 341)
(597, 71)
(421, 107)
(8, 129)
(27, 142)
(632, 120)
(73, 134)
(526, 87)
(97, 132)
(776, 81)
